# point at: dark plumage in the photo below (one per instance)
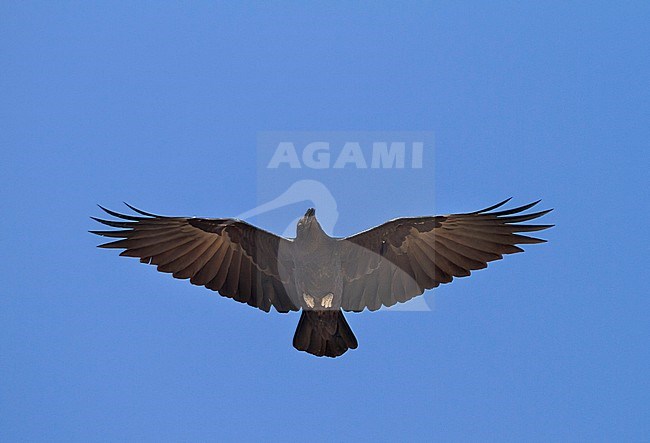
(318, 274)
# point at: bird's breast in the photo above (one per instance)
(319, 280)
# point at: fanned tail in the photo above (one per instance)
(324, 333)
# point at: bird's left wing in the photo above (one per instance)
(230, 256)
(398, 260)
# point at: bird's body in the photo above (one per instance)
(322, 329)
(317, 268)
(320, 275)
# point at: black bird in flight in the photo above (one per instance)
(318, 274)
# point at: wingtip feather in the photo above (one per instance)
(113, 224)
(493, 207)
(516, 210)
(119, 215)
(140, 211)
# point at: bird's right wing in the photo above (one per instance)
(398, 260)
(230, 256)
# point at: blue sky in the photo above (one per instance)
(162, 105)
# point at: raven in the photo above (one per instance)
(321, 275)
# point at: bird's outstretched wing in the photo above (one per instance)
(230, 256)
(398, 260)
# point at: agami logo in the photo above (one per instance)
(321, 155)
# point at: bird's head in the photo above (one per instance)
(308, 225)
